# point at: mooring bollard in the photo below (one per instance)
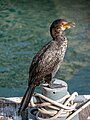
(54, 94)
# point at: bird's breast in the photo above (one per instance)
(60, 54)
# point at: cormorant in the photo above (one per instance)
(47, 61)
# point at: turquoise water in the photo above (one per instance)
(24, 29)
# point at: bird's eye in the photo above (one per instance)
(62, 23)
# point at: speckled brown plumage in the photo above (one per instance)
(47, 61)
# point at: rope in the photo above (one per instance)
(49, 109)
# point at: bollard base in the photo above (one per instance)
(57, 92)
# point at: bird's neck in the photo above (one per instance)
(59, 37)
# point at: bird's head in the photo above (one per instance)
(59, 25)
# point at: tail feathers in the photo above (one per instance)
(26, 99)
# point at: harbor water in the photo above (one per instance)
(24, 29)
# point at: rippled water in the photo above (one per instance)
(24, 29)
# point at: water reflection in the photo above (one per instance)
(24, 29)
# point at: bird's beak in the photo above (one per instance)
(69, 25)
